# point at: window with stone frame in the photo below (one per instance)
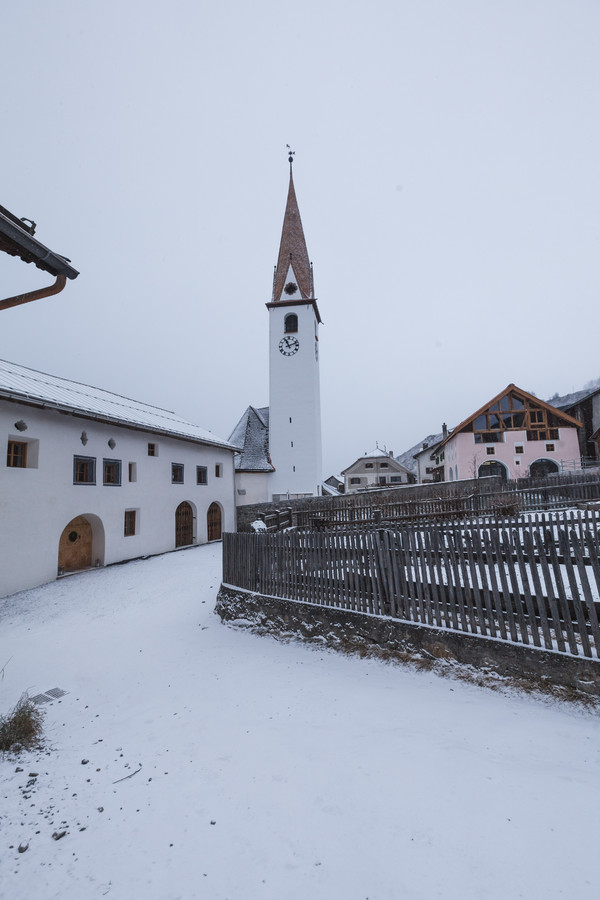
(111, 472)
(129, 522)
(84, 470)
(176, 473)
(16, 455)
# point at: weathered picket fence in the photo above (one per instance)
(500, 499)
(530, 581)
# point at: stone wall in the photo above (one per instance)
(388, 638)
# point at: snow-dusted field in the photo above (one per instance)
(269, 770)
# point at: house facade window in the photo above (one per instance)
(111, 471)
(385, 465)
(132, 471)
(16, 455)
(129, 523)
(519, 448)
(490, 451)
(152, 449)
(201, 475)
(176, 473)
(84, 470)
(218, 470)
(396, 479)
(355, 481)
(291, 323)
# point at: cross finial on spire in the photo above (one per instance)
(291, 155)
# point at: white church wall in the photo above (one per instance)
(294, 404)
(251, 487)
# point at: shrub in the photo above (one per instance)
(22, 726)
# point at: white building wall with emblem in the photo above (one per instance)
(39, 500)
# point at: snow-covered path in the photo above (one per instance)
(273, 771)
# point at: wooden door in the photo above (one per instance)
(184, 525)
(75, 545)
(213, 521)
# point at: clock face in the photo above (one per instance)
(289, 345)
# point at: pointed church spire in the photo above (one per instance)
(293, 266)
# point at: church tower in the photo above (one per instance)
(294, 392)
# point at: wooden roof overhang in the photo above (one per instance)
(512, 388)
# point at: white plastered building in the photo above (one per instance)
(90, 478)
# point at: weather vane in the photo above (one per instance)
(291, 154)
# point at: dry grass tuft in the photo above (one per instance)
(22, 726)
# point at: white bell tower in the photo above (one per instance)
(294, 392)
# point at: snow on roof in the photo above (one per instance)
(25, 385)
(569, 400)
(407, 459)
(251, 434)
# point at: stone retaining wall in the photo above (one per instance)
(350, 631)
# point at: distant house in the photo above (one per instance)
(584, 406)
(91, 478)
(513, 435)
(333, 486)
(375, 469)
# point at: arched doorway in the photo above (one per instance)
(492, 467)
(543, 467)
(213, 522)
(75, 546)
(184, 525)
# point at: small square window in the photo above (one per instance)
(518, 448)
(549, 448)
(129, 522)
(16, 456)
(152, 449)
(491, 451)
(176, 473)
(201, 475)
(84, 470)
(112, 471)
(218, 470)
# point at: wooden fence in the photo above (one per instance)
(534, 582)
(509, 498)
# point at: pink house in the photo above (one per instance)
(514, 435)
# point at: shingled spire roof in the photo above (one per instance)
(292, 252)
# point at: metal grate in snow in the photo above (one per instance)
(48, 696)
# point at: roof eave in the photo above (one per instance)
(16, 241)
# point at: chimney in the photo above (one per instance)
(444, 430)
(391, 453)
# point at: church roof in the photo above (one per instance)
(251, 434)
(292, 251)
(23, 385)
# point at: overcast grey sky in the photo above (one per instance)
(447, 171)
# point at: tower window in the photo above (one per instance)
(291, 323)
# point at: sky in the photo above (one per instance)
(446, 171)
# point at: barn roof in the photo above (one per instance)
(22, 385)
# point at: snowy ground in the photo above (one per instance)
(270, 770)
